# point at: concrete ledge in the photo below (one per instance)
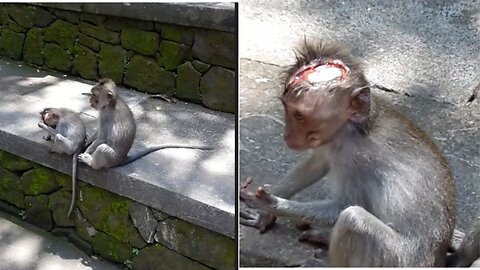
(217, 16)
(197, 186)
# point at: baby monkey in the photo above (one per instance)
(116, 130)
(67, 130)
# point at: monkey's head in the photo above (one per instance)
(103, 94)
(50, 117)
(324, 90)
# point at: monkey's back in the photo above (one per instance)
(71, 126)
(411, 186)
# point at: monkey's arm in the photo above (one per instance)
(321, 212)
(52, 132)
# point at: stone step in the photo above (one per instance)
(197, 186)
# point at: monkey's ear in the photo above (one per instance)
(359, 106)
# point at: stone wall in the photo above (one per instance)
(108, 225)
(194, 64)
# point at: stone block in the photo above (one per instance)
(56, 57)
(43, 17)
(89, 42)
(92, 18)
(83, 228)
(111, 62)
(11, 189)
(24, 15)
(153, 256)
(69, 16)
(14, 163)
(200, 244)
(217, 87)
(62, 33)
(176, 33)
(58, 203)
(37, 212)
(144, 221)
(200, 66)
(85, 62)
(188, 82)
(11, 44)
(143, 42)
(37, 181)
(216, 48)
(110, 248)
(100, 33)
(172, 54)
(33, 47)
(144, 74)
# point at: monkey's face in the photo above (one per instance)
(314, 118)
(102, 94)
(49, 117)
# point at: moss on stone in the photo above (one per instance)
(111, 62)
(4, 18)
(89, 42)
(37, 212)
(62, 33)
(99, 32)
(144, 74)
(33, 47)
(58, 203)
(109, 213)
(153, 256)
(85, 62)
(57, 58)
(39, 181)
(188, 81)
(200, 66)
(15, 27)
(217, 87)
(203, 245)
(11, 189)
(176, 33)
(24, 15)
(140, 41)
(63, 180)
(11, 44)
(83, 228)
(111, 248)
(14, 163)
(172, 54)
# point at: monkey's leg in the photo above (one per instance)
(317, 236)
(360, 239)
(92, 147)
(101, 157)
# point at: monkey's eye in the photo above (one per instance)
(298, 116)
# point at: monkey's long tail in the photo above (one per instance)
(74, 182)
(131, 158)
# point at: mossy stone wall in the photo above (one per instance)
(152, 57)
(108, 225)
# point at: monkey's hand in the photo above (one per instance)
(261, 220)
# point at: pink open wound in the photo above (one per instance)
(320, 73)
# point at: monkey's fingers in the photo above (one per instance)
(262, 221)
(245, 183)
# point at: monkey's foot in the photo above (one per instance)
(260, 220)
(318, 237)
(85, 158)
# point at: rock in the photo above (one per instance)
(144, 221)
(216, 48)
(116, 24)
(33, 47)
(62, 33)
(188, 81)
(85, 62)
(83, 228)
(14, 163)
(57, 58)
(43, 18)
(140, 41)
(11, 44)
(69, 16)
(4, 17)
(111, 62)
(63, 180)
(100, 33)
(200, 244)
(15, 27)
(200, 66)
(89, 42)
(172, 54)
(24, 15)
(153, 256)
(92, 18)
(175, 33)
(144, 74)
(39, 181)
(160, 216)
(37, 213)
(11, 189)
(217, 87)
(109, 213)
(58, 203)
(111, 249)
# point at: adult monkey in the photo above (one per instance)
(392, 197)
